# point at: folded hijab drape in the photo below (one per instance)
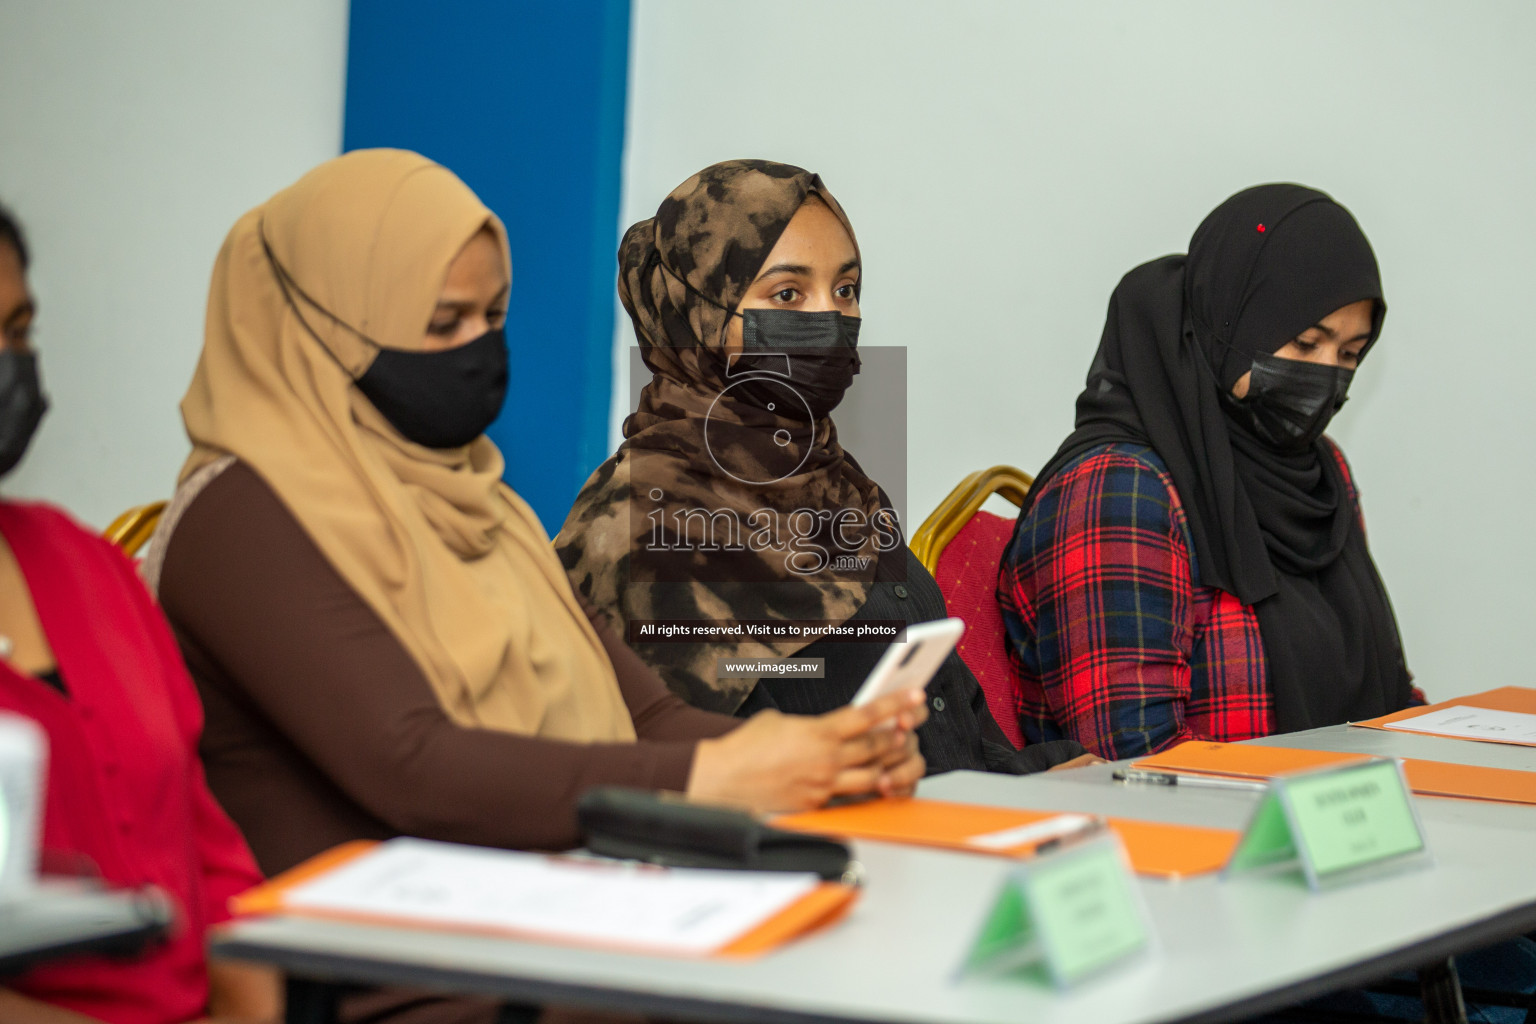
(1276, 530)
(447, 555)
(692, 446)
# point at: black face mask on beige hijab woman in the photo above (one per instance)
(444, 398)
(441, 399)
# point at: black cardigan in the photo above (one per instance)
(960, 732)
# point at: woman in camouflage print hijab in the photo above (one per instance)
(714, 508)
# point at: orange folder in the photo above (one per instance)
(818, 908)
(1427, 778)
(1470, 782)
(1241, 760)
(1506, 698)
(1165, 851)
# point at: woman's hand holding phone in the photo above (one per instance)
(776, 762)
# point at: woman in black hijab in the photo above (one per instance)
(1191, 564)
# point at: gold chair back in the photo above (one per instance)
(930, 539)
(131, 530)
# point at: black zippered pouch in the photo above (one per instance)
(637, 824)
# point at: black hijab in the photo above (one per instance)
(1278, 531)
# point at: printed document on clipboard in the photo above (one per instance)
(609, 904)
(1504, 715)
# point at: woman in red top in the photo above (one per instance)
(85, 653)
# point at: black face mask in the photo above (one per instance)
(1290, 403)
(440, 399)
(22, 404)
(812, 355)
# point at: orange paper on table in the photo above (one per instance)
(1520, 699)
(1427, 778)
(1167, 851)
(818, 908)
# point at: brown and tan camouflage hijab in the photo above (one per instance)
(714, 510)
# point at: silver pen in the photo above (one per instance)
(1172, 779)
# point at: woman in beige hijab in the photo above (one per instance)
(382, 636)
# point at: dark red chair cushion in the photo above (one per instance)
(967, 574)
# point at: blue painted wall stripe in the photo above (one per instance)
(525, 101)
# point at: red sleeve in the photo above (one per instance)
(1098, 598)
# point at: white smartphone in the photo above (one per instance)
(911, 660)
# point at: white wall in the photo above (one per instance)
(1004, 162)
(132, 135)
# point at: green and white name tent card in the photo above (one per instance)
(1339, 824)
(1072, 912)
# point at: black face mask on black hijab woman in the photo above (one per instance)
(1230, 362)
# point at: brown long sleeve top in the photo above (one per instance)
(320, 728)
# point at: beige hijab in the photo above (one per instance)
(453, 561)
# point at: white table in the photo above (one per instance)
(1227, 949)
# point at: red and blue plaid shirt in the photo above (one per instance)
(1112, 641)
